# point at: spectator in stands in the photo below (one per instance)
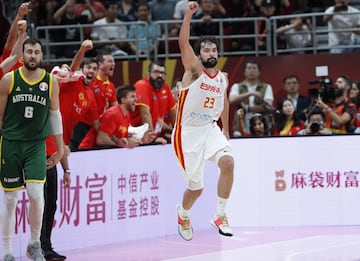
(287, 122)
(148, 32)
(252, 94)
(315, 124)
(42, 11)
(340, 17)
(297, 34)
(66, 15)
(154, 102)
(354, 96)
(162, 10)
(112, 29)
(219, 8)
(114, 124)
(208, 13)
(258, 125)
(179, 12)
(175, 88)
(105, 96)
(127, 11)
(92, 8)
(239, 9)
(340, 111)
(76, 97)
(263, 9)
(301, 103)
(278, 5)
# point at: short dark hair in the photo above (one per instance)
(252, 62)
(108, 3)
(100, 55)
(347, 79)
(32, 41)
(158, 63)
(315, 111)
(88, 60)
(123, 90)
(290, 76)
(205, 39)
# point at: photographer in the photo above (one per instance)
(342, 21)
(315, 123)
(340, 111)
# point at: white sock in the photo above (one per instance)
(7, 220)
(221, 206)
(183, 212)
(36, 196)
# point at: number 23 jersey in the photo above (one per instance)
(202, 102)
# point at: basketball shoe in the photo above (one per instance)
(184, 228)
(8, 257)
(34, 252)
(222, 224)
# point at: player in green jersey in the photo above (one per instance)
(29, 105)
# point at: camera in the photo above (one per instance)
(325, 90)
(315, 127)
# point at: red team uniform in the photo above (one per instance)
(113, 122)
(77, 101)
(160, 102)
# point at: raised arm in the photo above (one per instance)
(189, 60)
(13, 32)
(16, 52)
(86, 45)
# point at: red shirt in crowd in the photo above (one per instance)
(76, 101)
(104, 93)
(160, 102)
(113, 122)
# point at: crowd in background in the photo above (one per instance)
(116, 15)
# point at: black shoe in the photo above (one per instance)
(52, 255)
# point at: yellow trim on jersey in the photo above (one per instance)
(142, 104)
(11, 189)
(34, 82)
(106, 81)
(35, 181)
(12, 82)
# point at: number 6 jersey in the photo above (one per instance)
(27, 109)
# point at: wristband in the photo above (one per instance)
(67, 171)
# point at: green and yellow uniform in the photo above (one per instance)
(25, 128)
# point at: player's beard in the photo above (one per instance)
(157, 83)
(339, 92)
(31, 67)
(210, 63)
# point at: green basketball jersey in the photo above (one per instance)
(27, 111)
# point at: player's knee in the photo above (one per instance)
(226, 164)
(35, 192)
(195, 186)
